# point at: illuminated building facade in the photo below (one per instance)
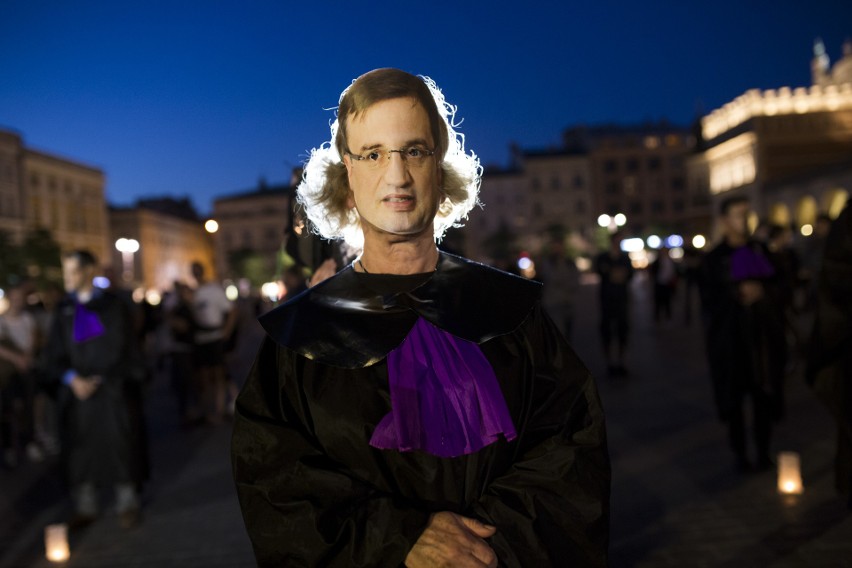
(788, 150)
(43, 191)
(252, 222)
(170, 237)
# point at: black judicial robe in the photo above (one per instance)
(103, 436)
(314, 492)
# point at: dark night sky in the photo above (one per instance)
(202, 98)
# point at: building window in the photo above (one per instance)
(678, 184)
(652, 142)
(632, 165)
(578, 181)
(610, 166)
(554, 183)
(673, 141)
(580, 208)
(635, 207)
(34, 181)
(657, 206)
(613, 188)
(537, 211)
(654, 163)
(677, 205)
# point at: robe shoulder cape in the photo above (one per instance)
(343, 323)
(312, 490)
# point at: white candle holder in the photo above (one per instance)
(56, 542)
(789, 474)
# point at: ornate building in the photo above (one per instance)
(788, 150)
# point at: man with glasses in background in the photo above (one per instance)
(415, 408)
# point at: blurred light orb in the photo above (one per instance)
(126, 245)
(674, 241)
(807, 230)
(676, 253)
(211, 226)
(153, 297)
(633, 244)
(654, 242)
(604, 220)
(524, 263)
(232, 292)
(101, 282)
(698, 241)
(620, 219)
(271, 290)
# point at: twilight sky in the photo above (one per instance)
(203, 98)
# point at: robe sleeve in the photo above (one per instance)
(300, 507)
(551, 507)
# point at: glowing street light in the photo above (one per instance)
(211, 226)
(127, 247)
(604, 220)
(620, 219)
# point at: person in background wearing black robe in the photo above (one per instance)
(829, 369)
(92, 352)
(415, 408)
(744, 334)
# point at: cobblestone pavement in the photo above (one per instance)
(676, 500)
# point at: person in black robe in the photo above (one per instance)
(415, 408)
(92, 353)
(744, 334)
(615, 270)
(829, 368)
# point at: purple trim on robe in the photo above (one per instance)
(445, 398)
(748, 264)
(87, 324)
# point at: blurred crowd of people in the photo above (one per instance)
(754, 288)
(76, 361)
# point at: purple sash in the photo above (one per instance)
(87, 324)
(445, 398)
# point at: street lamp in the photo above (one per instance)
(211, 226)
(127, 247)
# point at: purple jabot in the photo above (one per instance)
(445, 399)
(748, 264)
(87, 324)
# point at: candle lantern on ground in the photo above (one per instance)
(789, 474)
(56, 542)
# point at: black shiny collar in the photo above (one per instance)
(343, 323)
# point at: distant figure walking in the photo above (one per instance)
(615, 271)
(561, 281)
(744, 333)
(215, 319)
(664, 275)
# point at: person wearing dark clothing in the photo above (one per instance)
(615, 271)
(744, 334)
(415, 408)
(184, 378)
(92, 352)
(829, 368)
(663, 272)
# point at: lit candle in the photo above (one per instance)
(789, 474)
(56, 542)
